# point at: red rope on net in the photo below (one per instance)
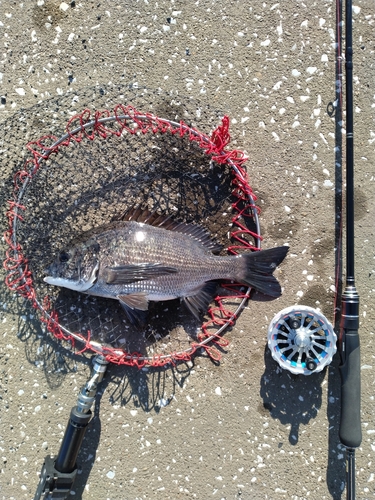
(87, 125)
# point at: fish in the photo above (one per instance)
(148, 256)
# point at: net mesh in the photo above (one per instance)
(105, 163)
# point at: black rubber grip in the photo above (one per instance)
(350, 423)
(72, 440)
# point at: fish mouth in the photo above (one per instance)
(78, 286)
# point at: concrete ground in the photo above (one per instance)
(242, 428)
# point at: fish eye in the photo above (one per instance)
(64, 257)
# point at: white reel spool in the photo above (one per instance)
(301, 340)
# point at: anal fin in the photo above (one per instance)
(199, 302)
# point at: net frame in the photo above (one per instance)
(91, 125)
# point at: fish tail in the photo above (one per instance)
(258, 269)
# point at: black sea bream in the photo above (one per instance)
(136, 262)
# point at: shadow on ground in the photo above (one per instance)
(295, 400)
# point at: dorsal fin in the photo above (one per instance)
(139, 214)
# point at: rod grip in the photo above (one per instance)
(350, 422)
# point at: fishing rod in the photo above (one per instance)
(349, 348)
(300, 338)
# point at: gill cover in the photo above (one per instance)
(76, 268)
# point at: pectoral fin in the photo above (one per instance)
(135, 305)
(129, 273)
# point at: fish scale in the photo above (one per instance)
(194, 263)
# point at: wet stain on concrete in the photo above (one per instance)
(48, 13)
(318, 295)
(360, 204)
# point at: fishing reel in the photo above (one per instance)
(301, 340)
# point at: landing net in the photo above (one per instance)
(106, 163)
